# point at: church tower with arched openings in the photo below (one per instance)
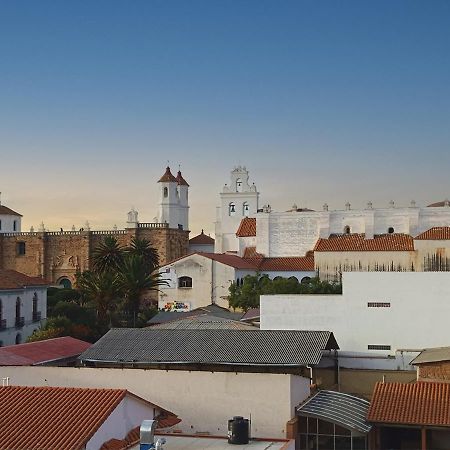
(174, 203)
(238, 199)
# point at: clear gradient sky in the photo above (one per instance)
(323, 101)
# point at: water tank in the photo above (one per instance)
(238, 431)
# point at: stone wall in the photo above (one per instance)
(438, 371)
(58, 255)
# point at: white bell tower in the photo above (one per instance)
(174, 206)
(239, 199)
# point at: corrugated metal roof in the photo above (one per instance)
(227, 347)
(431, 355)
(341, 409)
(203, 322)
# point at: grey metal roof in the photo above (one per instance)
(167, 316)
(430, 355)
(203, 322)
(341, 409)
(236, 347)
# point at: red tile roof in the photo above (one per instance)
(10, 279)
(421, 403)
(5, 211)
(53, 418)
(357, 243)
(435, 234)
(167, 177)
(181, 181)
(298, 263)
(230, 260)
(247, 227)
(39, 352)
(202, 239)
(250, 253)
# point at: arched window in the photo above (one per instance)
(165, 192)
(238, 185)
(391, 230)
(15, 225)
(347, 229)
(305, 280)
(36, 313)
(245, 209)
(232, 209)
(18, 338)
(293, 279)
(185, 282)
(0, 224)
(2, 324)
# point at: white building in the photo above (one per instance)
(201, 279)
(10, 221)
(295, 232)
(239, 199)
(174, 204)
(381, 320)
(23, 306)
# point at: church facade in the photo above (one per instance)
(57, 256)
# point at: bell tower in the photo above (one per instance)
(174, 203)
(238, 199)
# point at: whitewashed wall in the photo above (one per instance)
(294, 233)
(7, 223)
(8, 298)
(128, 414)
(203, 400)
(417, 317)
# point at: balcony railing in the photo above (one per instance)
(3, 324)
(36, 316)
(20, 322)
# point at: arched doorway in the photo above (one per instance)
(65, 283)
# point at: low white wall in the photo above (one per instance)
(203, 400)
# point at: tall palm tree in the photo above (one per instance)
(142, 247)
(133, 279)
(108, 256)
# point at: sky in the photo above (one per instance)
(323, 101)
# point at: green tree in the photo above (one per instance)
(108, 256)
(142, 247)
(133, 279)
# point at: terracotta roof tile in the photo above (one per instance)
(167, 177)
(5, 211)
(247, 227)
(230, 260)
(10, 279)
(202, 239)
(421, 403)
(181, 181)
(300, 263)
(251, 253)
(395, 242)
(435, 234)
(33, 353)
(55, 418)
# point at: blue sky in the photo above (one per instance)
(323, 101)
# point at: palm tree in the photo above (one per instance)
(108, 256)
(100, 289)
(142, 247)
(133, 279)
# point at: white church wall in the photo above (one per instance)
(10, 223)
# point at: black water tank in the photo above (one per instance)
(238, 431)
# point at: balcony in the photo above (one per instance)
(3, 324)
(36, 316)
(20, 322)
